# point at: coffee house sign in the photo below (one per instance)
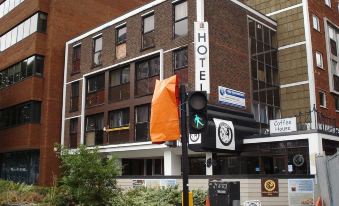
(283, 125)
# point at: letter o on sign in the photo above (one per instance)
(202, 48)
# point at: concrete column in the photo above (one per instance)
(209, 170)
(315, 148)
(172, 163)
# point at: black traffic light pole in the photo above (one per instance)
(184, 140)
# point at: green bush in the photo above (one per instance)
(87, 178)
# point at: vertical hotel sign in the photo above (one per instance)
(202, 61)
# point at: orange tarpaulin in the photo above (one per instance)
(164, 111)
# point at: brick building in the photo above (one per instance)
(32, 41)
(110, 73)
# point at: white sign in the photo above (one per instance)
(231, 97)
(252, 203)
(194, 139)
(301, 192)
(225, 138)
(283, 125)
(202, 58)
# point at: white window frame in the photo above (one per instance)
(319, 60)
(316, 22)
(328, 3)
(324, 95)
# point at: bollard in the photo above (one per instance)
(190, 199)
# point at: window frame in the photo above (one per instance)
(121, 115)
(94, 52)
(148, 62)
(179, 20)
(316, 22)
(143, 33)
(174, 58)
(336, 103)
(96, 77)
(74, 97)
(320, 63)
(120, 71)
(76, 59)
(324, 103)
(117, 29)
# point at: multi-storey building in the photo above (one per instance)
(32, 40)
(111, 70)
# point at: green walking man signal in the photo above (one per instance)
(197, 107)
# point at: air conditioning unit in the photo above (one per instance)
(252, 203)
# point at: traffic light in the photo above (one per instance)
(197, 107)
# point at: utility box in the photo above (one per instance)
(222, 193)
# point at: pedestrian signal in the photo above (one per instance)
(197, 107)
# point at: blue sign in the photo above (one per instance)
(231, 97)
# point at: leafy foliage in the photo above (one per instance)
(87, 178)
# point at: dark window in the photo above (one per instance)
(119, 84)
(142, 118)
(74, 97)
(180, 19)
(180, 58)
(97, 49)
(28, 112)
(121, 35)
(95, 90)
(76, 59)
(336, 101)
(322, 99)
(148, 31)
(73, 131)
(119, 118)
(18, 72)
(94, 129)
(147, 72)
(42, 22)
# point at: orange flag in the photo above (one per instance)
(164, 111)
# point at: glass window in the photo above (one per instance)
(74, 100)
(319, 59)
(3, 43)
(1, 10)
(328, 3)
(14, 36)
(322, 99)
(94, 122)
(34, 23)
(334, 67)
(148, 68)
(8, 39)
(119, 76)
(180, 58)
(180, 19)
(95, 83)
(148, 24)
(142, 114)
(39, 65)
(336, 102)
(316, 24)
(76, 59)
(119, 118)
(42, 22)
(30, 66)
(20, 32)
(148, 31)
(17, 72)
(27, 24)
(121, 35)
(97, 47)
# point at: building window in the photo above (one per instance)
(316, 24)
(148, 31)
(336, 102)
(119, 118)
(147, 71)
(32, 66)
(328, 3)
(334, 67)
(322, 99)
(73, 131)
(97, 49)
(333, 34)
(35, 23)
(180, 19)
(119, 84)
(121, 38)
(142, 118)
(319, 59)
(8, 5)
(76, 59)
(95, 90)
(25, 113)
(94, 129)
(74, 104)
(180, 62)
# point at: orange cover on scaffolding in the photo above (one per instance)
(164, 111)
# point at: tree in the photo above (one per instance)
(87, 178)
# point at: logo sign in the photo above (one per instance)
(231, 97)
(283, 125)
(194, 138)
(300, 192)
(202, 62)
(224, 134)
(252, 203)
(269, 187)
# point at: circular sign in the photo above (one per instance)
(194, 137)
(225, 134)
(298, 160)
(269, 185)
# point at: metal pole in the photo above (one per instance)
(184, 163)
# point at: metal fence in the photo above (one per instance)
(328, 177)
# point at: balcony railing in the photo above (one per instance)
(336, 83)
(119, 93)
